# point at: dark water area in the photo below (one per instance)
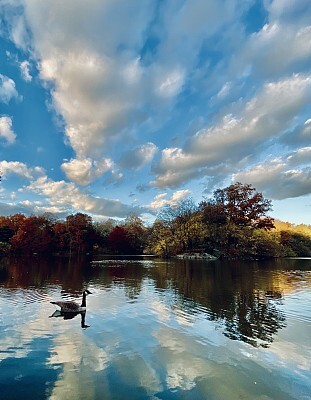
(154, 329)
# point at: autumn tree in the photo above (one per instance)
(102, 231)
(160, 241)
(136, 233)
(61, 235)
(244, 206)
(231, 217)
(183, 223)
(34, 235)
(118, 241)
(15, 221)
(81, 234)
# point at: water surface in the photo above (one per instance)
(182, 329)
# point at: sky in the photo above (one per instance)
(113, 107)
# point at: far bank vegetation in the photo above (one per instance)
(233, 223)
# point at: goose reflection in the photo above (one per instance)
(70, 315)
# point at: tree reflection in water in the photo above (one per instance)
(243, 298)
(255, 318)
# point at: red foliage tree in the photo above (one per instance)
(118, 241)
(34, 235)
(81, 233)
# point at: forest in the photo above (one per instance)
(233, 223)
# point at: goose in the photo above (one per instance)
(72, 306)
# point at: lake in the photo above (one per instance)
(156, 329)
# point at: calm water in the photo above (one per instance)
(156, 330)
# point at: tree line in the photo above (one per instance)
(233, 223)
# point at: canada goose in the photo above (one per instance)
(72, 306)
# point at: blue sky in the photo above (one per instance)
(110, 107)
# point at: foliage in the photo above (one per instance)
(118, 241)
(231, 218)
(294, 239)
(159, 240)
(182, 223)
(136, 233)
(232, 224)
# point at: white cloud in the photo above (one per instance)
(275, 48)
(300, 157)
(102, 86)
(281, 178)
(6, 131)
(25, 70)
(18, 168)
(161, 199)
(85, 171)
(92, 79)
(7, 89)
(131, 85)
(60, 197)
(68, 197)
(224, 90)
(170, 82)
(288, 10)
(235, 138)
(138, 157)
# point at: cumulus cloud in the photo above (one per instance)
(21, 169)
(6, 131)
(236, 138)
(95, 85)
(67, 196)
(162, 199)
(138, 157)
(103, 86)
(281, 45)
(281, 178)
(7, 89)
(275, 48)
(131, 84)
(85, 171)
(58, 197)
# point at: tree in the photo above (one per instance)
(34, 235)
(81, 232)
(242, 205)
(15, 221)
(136, 233)
(62, 236)
(160, 241)
(231, 217)
(118, 240)
(183, 222)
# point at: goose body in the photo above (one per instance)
(72, 306)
